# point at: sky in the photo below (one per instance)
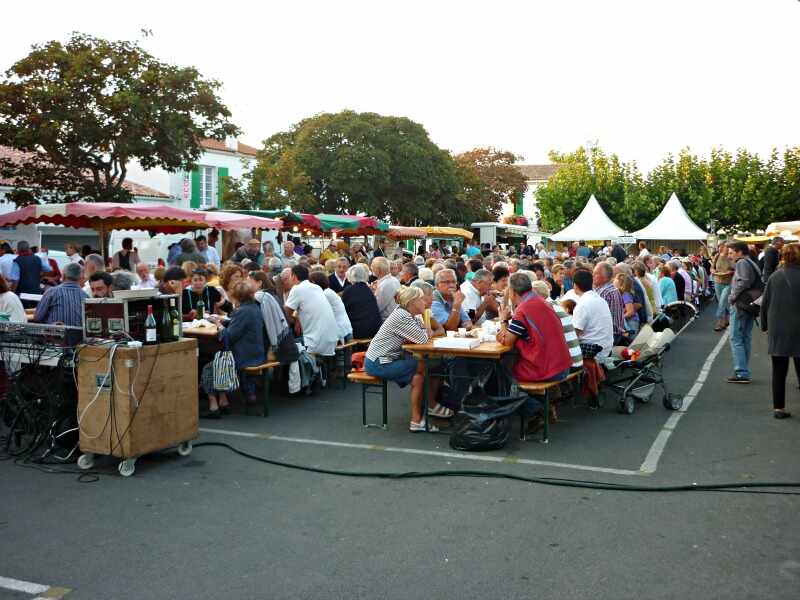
(641, 78)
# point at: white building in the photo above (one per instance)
(535, 177)
(203, 186)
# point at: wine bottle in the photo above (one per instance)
(150, 328)
(166, 326)
(176, 320)
(201, 309)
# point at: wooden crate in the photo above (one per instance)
(150, 403)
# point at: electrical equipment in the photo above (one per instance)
(125, 316)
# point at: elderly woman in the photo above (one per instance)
(385, 357)
(361, 304)
(343, 326)
(666, 285)
(428, 289)
(781, 320)
(243, 335)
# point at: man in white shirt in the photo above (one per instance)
(477, 297)
(643, 251)
(316, 316)
(592, 316)
(386, 286)
(209, 252)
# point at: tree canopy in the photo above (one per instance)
(731, 191)
(488, 179)
(85, 108)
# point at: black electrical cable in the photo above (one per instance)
(750, 486)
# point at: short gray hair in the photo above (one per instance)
(426, 287)
(95, 259)
(482, 274)
(72, 272)
(520, 283)
(443, 272)
(275, 265)
(425, 274)
(358, 274)
(123, 280)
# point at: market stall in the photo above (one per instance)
(673, 228)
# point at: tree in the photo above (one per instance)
(85, 108)
(352, 162)
(488, 178)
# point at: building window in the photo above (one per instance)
(207, 187)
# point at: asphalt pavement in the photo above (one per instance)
(216, 525)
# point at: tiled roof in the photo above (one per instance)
(219, 146)
(134, 188)
(538, 172)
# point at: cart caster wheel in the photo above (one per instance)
(127, 467)
(185, 449)
(626, 405)
(86, 461)
(673, 402)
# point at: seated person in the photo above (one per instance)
(592, 315)
(343, 326)
(173, 281)
(123, 280)
(478, 297)
(243, 335)
(385, 358)
(535, 331)
(63, 303)
(198, 290)
(427, 290)
(447, 306)
(361, 304)
(315, 318)
(275, 322)
(101, 284)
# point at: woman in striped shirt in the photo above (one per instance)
(385, 357)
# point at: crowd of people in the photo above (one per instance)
(554, 306)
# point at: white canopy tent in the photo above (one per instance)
(672, 223)
(592, 224)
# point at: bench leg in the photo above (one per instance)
(523, 424)
(385, 400)
(266, 377)
(364, 405)
(546, 428)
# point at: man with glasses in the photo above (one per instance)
(447, 307)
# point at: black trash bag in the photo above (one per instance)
(484, 423)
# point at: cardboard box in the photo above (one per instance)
(147, 403)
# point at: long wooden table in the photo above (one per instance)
(424, 352)
(210, 332)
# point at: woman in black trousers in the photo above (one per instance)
(780, 318)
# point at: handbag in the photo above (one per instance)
(286, 350)
(225, 376)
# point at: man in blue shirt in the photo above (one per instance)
(473, 249)
(583, 250)
(26, 272)
(447, 303)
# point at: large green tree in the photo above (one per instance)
(487, 180)
(352, 162)
(85, 108)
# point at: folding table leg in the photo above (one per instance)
(385, 400)
(546, 428)
(266, 377)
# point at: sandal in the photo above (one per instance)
(415, 427)
(441, 412)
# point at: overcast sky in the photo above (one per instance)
(642, 77)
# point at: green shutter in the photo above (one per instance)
(518, 207)
(222, 173)
(194, 200)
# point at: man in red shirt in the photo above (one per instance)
(536, 333)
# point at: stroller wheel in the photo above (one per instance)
(626, 405)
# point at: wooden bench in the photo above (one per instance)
(543, 388)
(368, 385)
(265, 371)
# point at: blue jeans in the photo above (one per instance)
(722, 290)
(741, 342)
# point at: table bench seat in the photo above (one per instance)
(265, 371)
(543, 388)
(375, 386)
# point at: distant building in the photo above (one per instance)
(204, 185)
(535, 176)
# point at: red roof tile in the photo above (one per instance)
(219, 146)
(538, 172)
(134, 188)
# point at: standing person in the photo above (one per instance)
(744, 288)
(7, 257)
(209, 252)
(188, 252)
(643, 251)
(251, 251)
(722, 271)
(73, 253)
(26, 273)
(127, 258)
(780, 318)
(771, 258)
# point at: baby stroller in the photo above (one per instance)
(632, 378)
(674, 316)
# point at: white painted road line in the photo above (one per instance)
(650, 463)
(26, 587)
(455, 455)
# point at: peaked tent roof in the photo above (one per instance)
(592, 224)
(672, 223)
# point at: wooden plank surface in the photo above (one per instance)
(485, 350)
